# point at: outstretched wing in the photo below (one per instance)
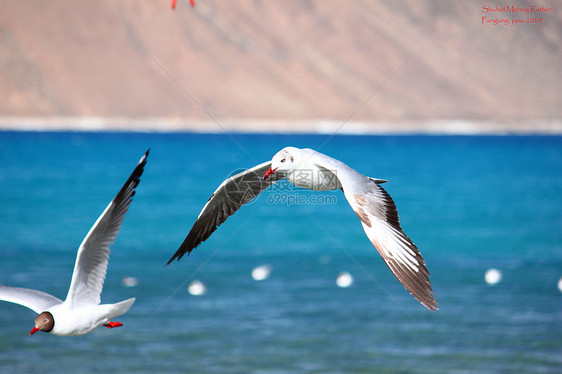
(379, 219)
(93, 254)
(224, 202)
(37, 301)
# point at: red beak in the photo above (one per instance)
(268, 173)
(33, 331)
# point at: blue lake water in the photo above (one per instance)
(470, 203)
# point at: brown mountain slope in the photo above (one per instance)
(394, 60)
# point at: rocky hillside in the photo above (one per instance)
(290, 59)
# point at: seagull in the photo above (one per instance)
(313, 170)
(81, 312)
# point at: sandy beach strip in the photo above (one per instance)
(124, 124)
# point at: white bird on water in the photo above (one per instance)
(310, 169)
(81, 312)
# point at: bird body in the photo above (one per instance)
(308, 172)
(84, 319)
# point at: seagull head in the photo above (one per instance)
(282, 162)
(43, 322)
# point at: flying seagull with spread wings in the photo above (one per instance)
(372, 204)
(81, 312)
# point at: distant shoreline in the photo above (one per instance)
(320, 126)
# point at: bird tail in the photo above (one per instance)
(120, 308)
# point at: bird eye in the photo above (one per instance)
(283, 160)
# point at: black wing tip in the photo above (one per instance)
(139, 169)
(172, 259)
(182, 250)
(177, 256)
(134, 178)
(142, 161)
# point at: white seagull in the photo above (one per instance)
(81, 312)
(310, 169)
